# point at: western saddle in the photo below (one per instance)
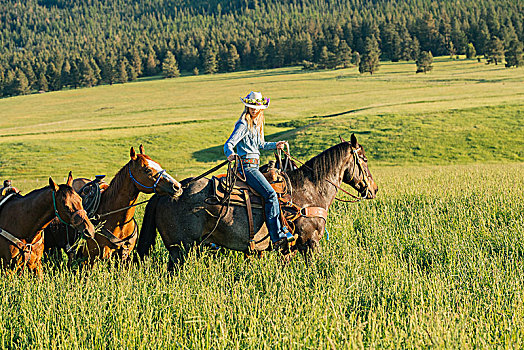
(241, 194)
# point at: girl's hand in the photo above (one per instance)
(281, 144)
(231, 157)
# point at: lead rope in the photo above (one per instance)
(231, 178)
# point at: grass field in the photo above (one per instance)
(437, 260)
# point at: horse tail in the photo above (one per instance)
(148, 232)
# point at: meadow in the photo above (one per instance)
(436, 260)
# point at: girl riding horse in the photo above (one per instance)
(248, 137)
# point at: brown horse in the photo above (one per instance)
(184, 221)
(22, 219)
(119, 231)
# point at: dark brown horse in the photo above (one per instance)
(184, 221)
(22, 219)
(119, 231)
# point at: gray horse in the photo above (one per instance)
(187, 220)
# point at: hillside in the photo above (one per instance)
(463, 112)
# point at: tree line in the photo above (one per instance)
(48, 45)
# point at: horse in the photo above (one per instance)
(116, 209)
(23, 219)
(186, 220)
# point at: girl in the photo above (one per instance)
(248, 137)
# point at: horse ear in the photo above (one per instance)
(132, 153)
(341, 139)
(70, 179)
(53, 184)
(141, 149)
(354, 142)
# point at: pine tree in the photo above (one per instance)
(96, 71)
(121, 76)
(151, 63)
(2, 81)
(75, 74)
(324, 58)
(136, 62)
(355, 58)
(65, 74)
(9, 83)
(370, 59)
(514, 54)
(210, 61)
(20, 83)
(87, 76)
(344, 54)
(53, 77)
(108, 69)
(424, 62)
(131, 73)
(42, 83)
(470, 51)
(30, 74)
(170, 66)
(495, 51)
(232, 58)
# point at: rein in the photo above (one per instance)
(206, 173)
(99, 216)
(232, 175)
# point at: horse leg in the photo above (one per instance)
(177, 255)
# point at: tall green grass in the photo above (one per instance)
(436, 260)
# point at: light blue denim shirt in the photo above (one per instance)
(248, 142)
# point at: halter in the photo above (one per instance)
(56, 210)
(154, 185)
(58, 215)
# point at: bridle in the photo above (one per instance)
(160, 173)
(357, 161)
(364, 182)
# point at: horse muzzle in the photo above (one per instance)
(82, 224)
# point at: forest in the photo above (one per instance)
(49, 45)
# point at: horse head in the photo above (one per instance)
(150, 177)
(68, 207)
(358, 175)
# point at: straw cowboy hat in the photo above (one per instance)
(255, 100)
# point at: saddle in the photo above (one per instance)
(241, 194)
(91, 193)
(7, 192)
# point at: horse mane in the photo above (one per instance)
(320, 166)
(116, 183)
(32, 193)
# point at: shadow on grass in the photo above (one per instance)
(216, 153)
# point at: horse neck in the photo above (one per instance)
(121, 193)
(316, 187)
(37, 210)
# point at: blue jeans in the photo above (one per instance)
(258, 182)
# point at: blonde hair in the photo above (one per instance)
(251, 121)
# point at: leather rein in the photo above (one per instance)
(357, 161)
